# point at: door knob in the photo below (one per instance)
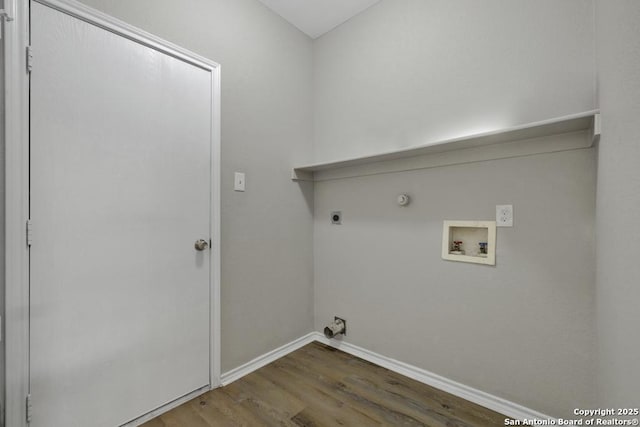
(201, 245)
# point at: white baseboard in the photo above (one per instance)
(166, 408)
(229, 377)
(471, 394)
(265, 359)
(481, 398)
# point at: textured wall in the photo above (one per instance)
(408, 72)
(522, 330)
(618, 208)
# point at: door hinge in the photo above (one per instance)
(29, 59)
(29, 232)
(29, 407)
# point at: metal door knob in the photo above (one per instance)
(201, 245)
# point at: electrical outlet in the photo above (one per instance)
(504, 216)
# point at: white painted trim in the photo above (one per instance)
(166, 408)
(109, 23)
(215, 250)
(471, 394)
(557, 143)
(16, 86)
(299, 175)
(596, 130)
(536, 132)
(265, 359)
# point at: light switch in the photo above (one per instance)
(238, 184)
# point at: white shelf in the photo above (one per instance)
(588, 121)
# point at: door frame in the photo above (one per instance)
(16, 39)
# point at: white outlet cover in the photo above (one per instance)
(504, 216)
(239, 181)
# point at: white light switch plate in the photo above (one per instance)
(504, 216)
(238, 183)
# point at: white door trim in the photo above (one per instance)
(16, 39)
(16, 337)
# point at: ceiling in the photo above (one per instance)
(316, 17)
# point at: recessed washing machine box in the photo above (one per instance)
(469, 241)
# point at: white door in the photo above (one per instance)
(120, 187)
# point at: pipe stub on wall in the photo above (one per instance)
(336, 327)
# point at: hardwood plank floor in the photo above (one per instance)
(318, 386)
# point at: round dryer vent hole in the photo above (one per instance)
(336, 217)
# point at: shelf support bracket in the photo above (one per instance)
(596, 128)
(298, 175)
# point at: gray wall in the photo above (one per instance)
(618, 208)
(522, 330)
(267, 265)
(407, 72)
(410, 71)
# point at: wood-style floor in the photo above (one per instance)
(320, 386)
